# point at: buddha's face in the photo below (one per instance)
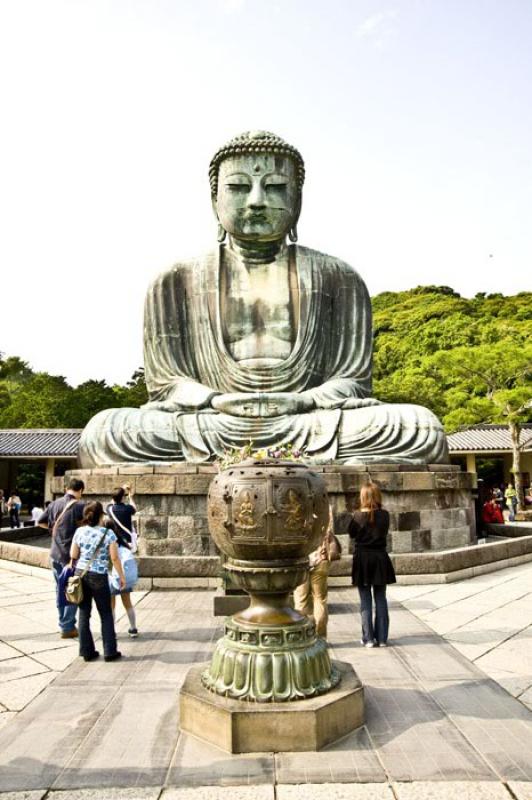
(258, 197)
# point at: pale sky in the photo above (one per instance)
(414, 119)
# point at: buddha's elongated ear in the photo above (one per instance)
(222, 233)
(292, 233)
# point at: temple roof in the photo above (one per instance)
(43, 442)
(488, 438)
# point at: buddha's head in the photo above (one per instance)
(256, 183)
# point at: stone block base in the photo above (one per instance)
(241, 727)
(430, 507)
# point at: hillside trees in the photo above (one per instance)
(37, 400)
(469, 361)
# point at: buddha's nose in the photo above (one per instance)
(256, 198)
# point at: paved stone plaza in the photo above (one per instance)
(448, 705)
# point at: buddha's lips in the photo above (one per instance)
(255, 218)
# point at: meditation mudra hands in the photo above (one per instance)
(261, 404)
(246, 404)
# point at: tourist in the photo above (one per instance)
(528, 497)
(36, 514)
(2, 507)
(497, 493)
(491, 513)
(92, 547)
(121, 512)
(510, 495)
(372, 568)
(310, 598)
(14, 504)
(61, 518)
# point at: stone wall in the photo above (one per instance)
(430, 507)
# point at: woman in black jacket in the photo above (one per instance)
(372, 568)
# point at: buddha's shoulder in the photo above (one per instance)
(327, 262)
(184, 270)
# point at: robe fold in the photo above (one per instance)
(187, 362)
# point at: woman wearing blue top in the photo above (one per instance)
(92, 541)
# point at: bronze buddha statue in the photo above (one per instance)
(261, 339)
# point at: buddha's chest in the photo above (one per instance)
(258, 311)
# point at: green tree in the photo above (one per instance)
(39, 401)
(134, 394)
(489, 383)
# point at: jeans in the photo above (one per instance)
(66, 613)
(14, 519)
(377, 630)
(96, 586)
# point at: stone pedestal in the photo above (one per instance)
(245, 727)
(430, 507)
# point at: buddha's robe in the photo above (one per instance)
(187, 363)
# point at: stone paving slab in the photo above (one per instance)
(118, 753)
(522, 790)
(338, 791)
(414, 739)
(526, 698)
(105, 794)
(427, 656)
(496, 725)
(16, 694)
(38, 744)
(451, 790)
(37, 795)
(351, 760)
(197, 763)
(221, 793)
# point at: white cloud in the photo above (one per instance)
(377, 27)
(232, 6)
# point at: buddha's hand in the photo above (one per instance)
(162, 405)
(361, 402)
(262, 404)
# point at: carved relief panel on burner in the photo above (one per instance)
(295, 507)
(248, 506)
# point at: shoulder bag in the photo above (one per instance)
(61, 515)
(74, 587)
(335, 548)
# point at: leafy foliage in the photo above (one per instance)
(37, 400)
(469, 361)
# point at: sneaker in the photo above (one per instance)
(382, 644)
(73, 634)
(92, 657)
(369, 644)
(114, 657)
(133, 633)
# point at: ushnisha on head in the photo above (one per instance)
(256, 182)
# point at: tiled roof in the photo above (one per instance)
(43, 442)
(488, 437)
